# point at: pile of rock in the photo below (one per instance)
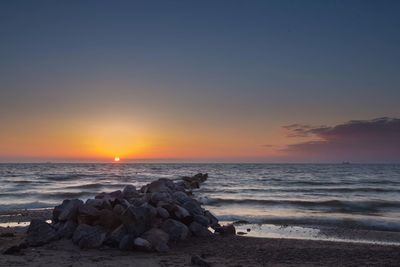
(146, 219)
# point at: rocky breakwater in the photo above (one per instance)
(148, 219)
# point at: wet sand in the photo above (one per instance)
(218, 251)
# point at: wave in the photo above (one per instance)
(366, 223)
(69, 195)
(28, 205)
(302, 190)
(328, 205)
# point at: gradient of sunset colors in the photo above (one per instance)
(199, 81)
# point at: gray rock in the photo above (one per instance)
(161, 185)
(93, 241)
(163, 213)
(88, 210)
(137, 220)
(129, 192)
(115, 237)
(40, 233)
(119, 209)
(108, 219)
(203, 220)
(213, 220)
(87, 236)
(111, 196)
(96, 203)
(199, 230)
(157, 238)
(176, 230)
(70, 210)
(194, 181)
(181, 197)
(58, 209)
(67, 229)
(127, 242)
(142, 244)
(181, 213)
(228, 229)
(160, 196)
(193, 207)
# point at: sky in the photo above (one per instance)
(200, 81)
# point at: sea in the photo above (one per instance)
(347, 196)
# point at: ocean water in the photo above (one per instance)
(344, 195)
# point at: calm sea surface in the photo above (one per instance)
(362, 196)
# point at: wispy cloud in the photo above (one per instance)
(357, 140)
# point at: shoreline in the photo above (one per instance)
(239, 250)
(18, 221)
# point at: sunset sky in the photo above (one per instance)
(200, 81)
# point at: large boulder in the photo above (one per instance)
(212, 219)
(181, 213)
(142, 244)
(181, 197)
(193, 207)
(108, 219)
(199, 230)
(194, 181)
(111, 195)
(127, 242)
(157, 238)
(88, 210)
(115, 237)
(160, 196)
(129, 192)
(40, 233)
(162, 213)
(137, 220)
(87, 236)
(67, 229)
(228, 229)
(203, 220)
(175, 229)
(161, 185)
(69, 210)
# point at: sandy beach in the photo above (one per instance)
(218, 251)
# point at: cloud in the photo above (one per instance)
(376, 140)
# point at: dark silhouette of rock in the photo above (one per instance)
(69, 211)
(137, 220)
(199, 230)
(115, 237)
(157, 238)
(142, 244)
(193, 207)
(87, 236)
(40, 233)
(176, 230)
(127, 242)
(162, 211)
(212, 219)
(129, 192)
(228, 229)
(203, 220)
(67, 229)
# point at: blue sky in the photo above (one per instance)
(248, 67)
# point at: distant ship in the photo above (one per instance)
(346, 162)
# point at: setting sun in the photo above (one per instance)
(116, 159)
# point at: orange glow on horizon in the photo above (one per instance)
(117, 159)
